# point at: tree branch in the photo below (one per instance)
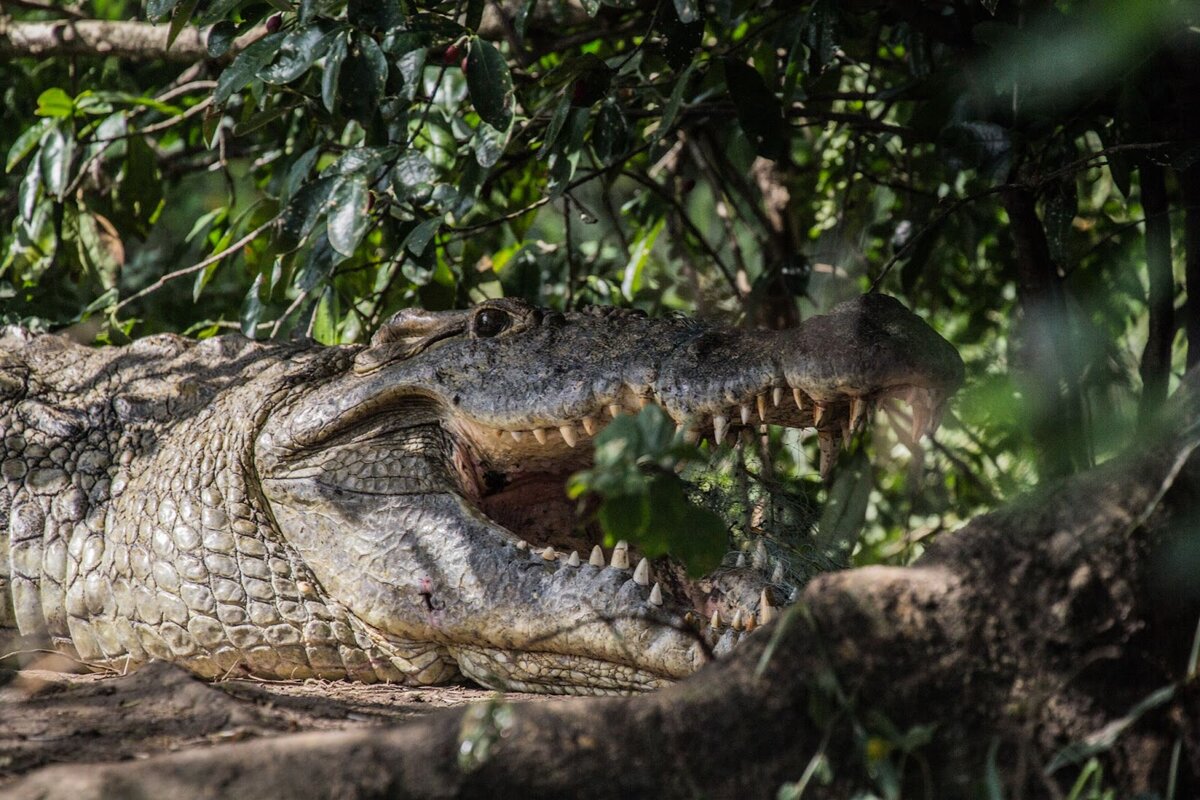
(128, 40)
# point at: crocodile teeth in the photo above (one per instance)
(746, 415)
(573, 559)
(749, 622)
(620, 556)
(540, 435)
(516, 435)
(761, 402)
(858, 412)
(522, 545)
(715, 622)
(760, 555)
(720, 425)
(614, 410)
(656, 595)
(589, 425)
(597, 557)
(737, 620)
(691, 436)
(569, 435)
(827, 442)
(641, 575)
(818, 413)
(776, 396)
(549, 555)
(766, 611)
(741, 560)
(798, 396)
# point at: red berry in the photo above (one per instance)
(580, 93)
(274, 23)
(463, 64)
(451, 55)
(687, 185)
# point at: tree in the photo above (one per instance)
(1025, 174)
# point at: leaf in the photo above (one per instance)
(217, 11)
(298, 172)
(252, 309)
(631, 282)
(625, 516)
(682, 37)
(556, 123)
(180, 19)
(688, 11)
(412, 171)
(983, 146)
(27, 193)
(304, 211)
(247, 64)
(325, 318)
(157, 9)
(490, 144)
(521, 23)
(361, 82)
(610, 135)
(25, 143)
(333, 70)
(419, 237)
(489, 84)
(55, 160)
(220, 38)
(348, 215)
(674, 102)
(758, 109)
(820, 34)
(299, 50)
(55, 103)
(1103, 739)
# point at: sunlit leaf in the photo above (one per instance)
(246, 65)
(348, 217)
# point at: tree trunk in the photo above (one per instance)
(1156, 357)
(1046, 354)
(1034, 628)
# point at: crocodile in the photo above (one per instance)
(396, 511)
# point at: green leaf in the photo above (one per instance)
(489, 144)
(362, 79)
(556, 124)
(300, 48)
(25, 143)
(489, 84)
(820, 34)
(521, 23)
(325, 318)
(348, 216)
(412, 171)
(688, 11)
(55, 103)
(333, 70)
(674, 102)
(610, 134)
(304, 211)
(758, 109)
(419, 237)
(180, 19)
(217, 11)
(631, 282)
(625, 516)
(28, 192)
(157, 9)
(55, 160)
(220, 38)
(252, 309)
(247, 65)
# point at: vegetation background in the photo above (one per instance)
(1024, 174)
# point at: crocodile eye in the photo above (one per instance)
(490, 322)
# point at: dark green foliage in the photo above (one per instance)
(752, 161)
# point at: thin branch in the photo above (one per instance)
(194, 268)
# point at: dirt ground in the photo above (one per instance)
(51, 717)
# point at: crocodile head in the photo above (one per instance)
(424, 484)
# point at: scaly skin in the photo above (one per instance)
(395, 512)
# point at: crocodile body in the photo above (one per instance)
(395, 512)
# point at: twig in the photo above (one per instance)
(179, 273)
